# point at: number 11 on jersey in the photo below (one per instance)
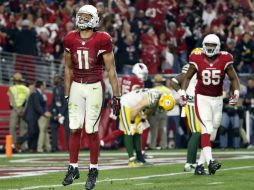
(82, 56)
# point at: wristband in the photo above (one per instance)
(66, 98)
(236, 93)
(181, 92)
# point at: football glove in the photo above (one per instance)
(116, 105)
(234, 98)
(183, 99)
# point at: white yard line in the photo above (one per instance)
(133, 178)
(41, 170)
(138, 184)
(215, 183)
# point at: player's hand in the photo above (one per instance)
(154, 96)
(116, 105)
(133, 128)
(111, 115)
(234, 98)
(183, 99)
(143, 125)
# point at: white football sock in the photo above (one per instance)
(75, 165)
(208, 154)
(94, 166)
(201, 160)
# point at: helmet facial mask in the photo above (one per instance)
(141, 71)
(211, 45)
(87, 17)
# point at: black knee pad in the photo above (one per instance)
(223, 130)
(236, 132)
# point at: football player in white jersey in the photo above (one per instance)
(189, 111)
(131, 122)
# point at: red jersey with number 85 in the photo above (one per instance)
(86, 55)
(210, 74)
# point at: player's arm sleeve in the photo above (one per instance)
(106, 44)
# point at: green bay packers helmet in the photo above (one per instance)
(166, 102)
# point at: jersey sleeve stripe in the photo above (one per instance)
(227, 64)
(67, 50)
(175, 80)
(100, 51)
(195, 64)
(185, 68)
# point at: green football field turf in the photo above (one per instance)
(166, 173)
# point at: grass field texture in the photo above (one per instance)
(46, 171)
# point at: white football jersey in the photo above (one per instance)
(131, 99)
(190, 91)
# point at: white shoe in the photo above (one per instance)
(250, 146)
(146, 156)
(171, 145)
(189, 167)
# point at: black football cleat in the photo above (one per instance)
(91, 178)
(200, 170)
(72, 173)
(213, 166)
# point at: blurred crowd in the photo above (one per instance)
(159, 33)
